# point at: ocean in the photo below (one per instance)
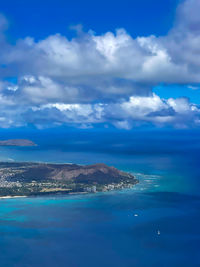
(156, 223)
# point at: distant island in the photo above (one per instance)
(17, 142)
(29, 179)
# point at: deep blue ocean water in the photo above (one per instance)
(154, 224)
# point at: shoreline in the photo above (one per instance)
(44, 195)
(7, 197)
(62, 194)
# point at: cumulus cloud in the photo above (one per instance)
(104, 78)
(124, 114)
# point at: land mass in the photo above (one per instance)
(27, 178)
(17, 142)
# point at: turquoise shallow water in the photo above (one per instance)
(154, 224)
(117, 228)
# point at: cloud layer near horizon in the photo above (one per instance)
(101, 79)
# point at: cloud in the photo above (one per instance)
(123, 114)
(104, 78)
(3, 23)
(188, 16)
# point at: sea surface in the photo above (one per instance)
(154, 224)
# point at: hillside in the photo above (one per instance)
(42, 178)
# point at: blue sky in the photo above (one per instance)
(90, 64)
(40, 18)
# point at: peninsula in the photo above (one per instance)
(17, 142)
(29, 179)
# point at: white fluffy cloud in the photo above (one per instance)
(101, 79)
(125, 114)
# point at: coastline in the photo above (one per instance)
(39, 195)
(5, 197)
(61, 194)
(23, 179)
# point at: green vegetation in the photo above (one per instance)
(25, 179)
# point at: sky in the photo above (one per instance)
(100, 64)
